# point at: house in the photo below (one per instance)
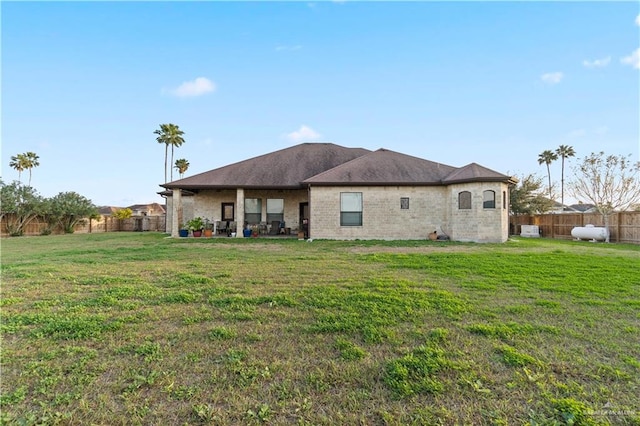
(152, 209)
(335, 192)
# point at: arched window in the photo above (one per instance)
(489, 199)
(464, 200)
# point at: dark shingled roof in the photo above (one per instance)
(286, 168)
(330, 164)
(385, 167)
(475, 172)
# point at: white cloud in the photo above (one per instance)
(197, 87)
(597, 63)
(304, 133)
(638, 20)
(552, 77)
(633, 59)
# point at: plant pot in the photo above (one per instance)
(208, 233)
(197, 233)
(183, 233)
(246, 233)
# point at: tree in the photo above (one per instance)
(182, 165)
(32, 161)
(67, 209)
(169, 134)
(564, 151)
(125, 213)
(26, 161)
(547, 157)
(19, 163)
(609, 182)
(20, 204)
(527, 198)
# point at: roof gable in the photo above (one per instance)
(384, 167)
(286, 168)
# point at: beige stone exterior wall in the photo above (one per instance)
(431, 208)
(382, 216)
(208, 204)
(479, 224)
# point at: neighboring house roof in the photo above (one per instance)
(330, 164)
(153, 209)
(286, 168)
(584, 208)
(107, 210)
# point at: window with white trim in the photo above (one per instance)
(489, 199)
(252, 210)
(464, 200)
(351, 209)
(275, 209)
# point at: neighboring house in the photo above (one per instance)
(153, 209)
(583, 208)
(349, 193)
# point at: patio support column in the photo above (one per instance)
(239, 212)
(176, 205)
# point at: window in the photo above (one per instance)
(227, 212)
(275, 209)
(404, 203)
(464, 200)
(504, 200)
(351, 209)
(252, 210)
(489, 199)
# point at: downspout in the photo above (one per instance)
(309, 202)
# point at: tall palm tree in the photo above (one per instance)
(18, 162)
(182, 165)
(169, 134)
(547, 157)
(564, 151)
(32, 161)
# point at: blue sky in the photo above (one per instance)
(85, 84)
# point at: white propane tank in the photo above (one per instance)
(590, 232)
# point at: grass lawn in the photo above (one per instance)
(137, 328)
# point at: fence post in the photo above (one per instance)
(618, 227)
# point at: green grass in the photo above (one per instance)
(125, 328)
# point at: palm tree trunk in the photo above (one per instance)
(562, 185)
(166, 153)
(172, 162)
(549, 176)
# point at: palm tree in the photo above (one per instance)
(182, 165)
(32, 161)
(547, 157)
(169, 134)
(564, 151)
(19, 163)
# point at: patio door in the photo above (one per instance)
(304, 218)
(228, 212)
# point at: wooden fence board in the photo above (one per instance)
(624, 227)
(104, 224)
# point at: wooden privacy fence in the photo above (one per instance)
(104, 224)
(624, 227)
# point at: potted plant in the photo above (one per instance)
(208, 228)
(196, 225)
(183, 230)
